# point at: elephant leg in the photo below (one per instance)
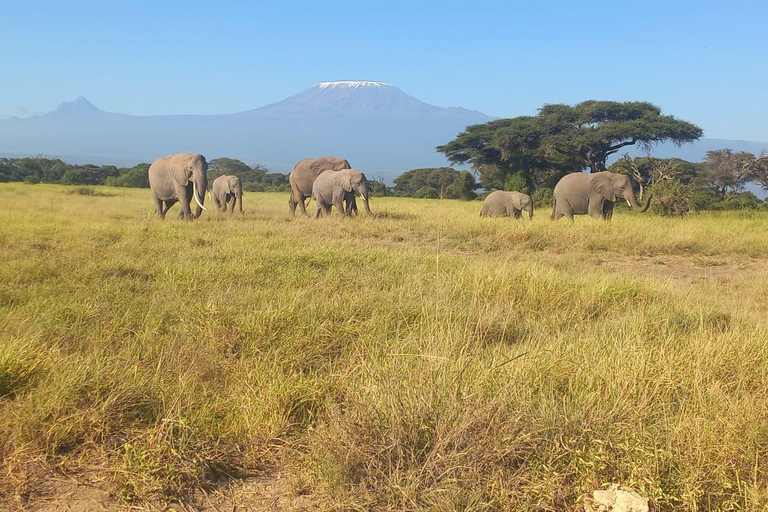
(608, 210)
(292, 204)
(564, 210)
(516, 213)
(318, 209)
(232, 207)
(595, 208)
(184, 195)
(168, 204)
(159, 207)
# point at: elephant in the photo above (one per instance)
(303, 176)
(593, 193)
(333, 188)
(227, 188)
(179, 178)
(501, 203)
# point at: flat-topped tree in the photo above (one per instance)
(598, 129)
(565, 138)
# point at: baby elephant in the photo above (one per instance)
(334, 188)
(511, 204)
(226, 188)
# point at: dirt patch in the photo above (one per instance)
(270, 492)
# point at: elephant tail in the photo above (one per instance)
(554, 210)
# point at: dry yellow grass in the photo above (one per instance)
(425, 359)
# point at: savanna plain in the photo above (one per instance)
(424, 359)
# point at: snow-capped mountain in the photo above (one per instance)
(378, 127)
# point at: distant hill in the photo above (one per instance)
(376, 126)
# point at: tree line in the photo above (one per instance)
(255, 178)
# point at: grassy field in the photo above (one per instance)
(425, 359)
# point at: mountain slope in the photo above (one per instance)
(378, 127)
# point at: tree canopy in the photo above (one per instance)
(254, 178)
(436, 182)
(562, 139)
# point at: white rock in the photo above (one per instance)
(616, 499)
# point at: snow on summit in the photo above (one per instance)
(350, 84)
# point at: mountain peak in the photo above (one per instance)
(80, 105)
(350, 84)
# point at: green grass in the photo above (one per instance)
(426, 359)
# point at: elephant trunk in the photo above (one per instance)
(635, 205)
(530, 212)
(240, 199)
(365, 195)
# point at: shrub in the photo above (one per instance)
(542, 197)
(742, 201)
(671, 198)
(427, 193)
(517, 182)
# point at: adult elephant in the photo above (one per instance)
(593, 193)
(179, 178)
(333, 188)
(304, 175)
(227, 188)
(500, 203)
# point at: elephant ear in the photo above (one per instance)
(603, 185)
(182, 171)
(230, 183)
(344, 164)
(344, 181)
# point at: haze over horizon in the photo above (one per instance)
(698, 61)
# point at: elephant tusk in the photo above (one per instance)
(210, 197)
(628, 203)
(194, 193)
(364, 199)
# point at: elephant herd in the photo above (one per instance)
(575, 194)
(331, 181)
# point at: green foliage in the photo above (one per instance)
(255, 178)
(89, 175)
(135, 177)
(562, 139)
(463, 187)
(378, 188)
(427, 193)
(651, 169)
(741, 201)
(445, 181)
(517, 182)
(725, 172)
(543, 197)
(671, 198)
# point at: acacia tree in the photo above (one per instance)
(725, 172)
(562, 139)
(760, 170)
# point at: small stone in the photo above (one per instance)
(616, 499)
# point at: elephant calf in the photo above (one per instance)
(227, 188)
(334, 188)
(501, 203)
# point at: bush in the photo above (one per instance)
(427, 193)
(517, 182)
(671, 198)
(742, 201)
(543, 197)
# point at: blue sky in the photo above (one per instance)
(704, 61)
